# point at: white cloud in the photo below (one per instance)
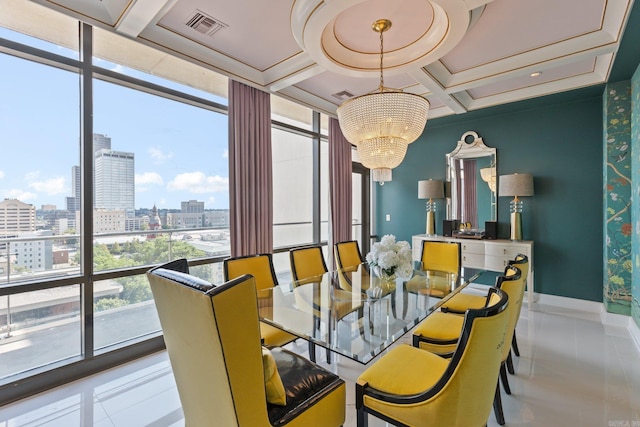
(225, 154)
(144, 181)
(32, 176)
(21, 195)
(158, 155)
(198, 182)
(1, 174)
(49, 186)
(148, 178)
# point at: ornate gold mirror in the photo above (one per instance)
(472, 182)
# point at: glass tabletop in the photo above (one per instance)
(355, 313)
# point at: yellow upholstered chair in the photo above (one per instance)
(348, 256)
(412, 387)
(308, 266)
(307, 263)
(441, 332)
(522, 262)
(261, 268)
(462, 301)
(223, 374)
(442, 257)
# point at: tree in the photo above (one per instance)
(104, 304)
(135, 289)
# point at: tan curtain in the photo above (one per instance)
(250, 170)
(340, 182)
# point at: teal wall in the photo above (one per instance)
(635, 215)
(617, 197)
(559, 142)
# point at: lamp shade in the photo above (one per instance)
(516, 185)
(430, 189)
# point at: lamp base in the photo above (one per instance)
(516, 226)
(431, 223)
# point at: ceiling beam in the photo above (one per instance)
(423, 77)
(139, 15)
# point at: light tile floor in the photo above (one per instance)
(572, 372)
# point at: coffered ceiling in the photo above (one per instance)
(461, 55)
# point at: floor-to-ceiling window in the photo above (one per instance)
(114, 159)
(300, 180)
(39, 130)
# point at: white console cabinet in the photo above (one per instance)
(492, 255)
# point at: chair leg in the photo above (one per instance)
(504, 379)
(514, 345)
(510, 364)
(312, 352)
(361, 416)
(497, 406)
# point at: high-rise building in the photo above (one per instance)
(101, 142)
(192, 206)
(16, 216)
(73, 202)
(114, 181)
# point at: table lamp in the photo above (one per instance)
(431, 189)
(516, 185)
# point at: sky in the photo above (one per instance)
(180, 151)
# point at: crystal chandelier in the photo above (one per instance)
(381, 124)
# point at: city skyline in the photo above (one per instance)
(43, 145)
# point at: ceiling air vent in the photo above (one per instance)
(204, 23)
(343, 95)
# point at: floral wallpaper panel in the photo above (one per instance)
(617, 195)
(635, 166)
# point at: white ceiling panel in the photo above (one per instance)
(309, 50)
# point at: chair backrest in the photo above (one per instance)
(307, 262)
(348, 256)
(512, 283)
(441, 256)
(218, 371)
(522, 262)
(259, 266)
(464, 394)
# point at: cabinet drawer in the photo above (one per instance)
(496, 263)
(472, 248)
(472, 260)
(503, 251)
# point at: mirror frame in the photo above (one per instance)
(474, 149)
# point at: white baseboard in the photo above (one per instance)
(612, 319)
(571, 303)
(608, 319)
(634, 331)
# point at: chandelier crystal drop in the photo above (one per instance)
(383, 123)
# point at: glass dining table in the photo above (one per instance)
(355, 313)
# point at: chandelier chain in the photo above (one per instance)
(381, 55)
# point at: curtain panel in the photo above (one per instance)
(250, 170)
(470, 209)
(340, 190)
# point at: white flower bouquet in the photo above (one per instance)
(391, 257)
